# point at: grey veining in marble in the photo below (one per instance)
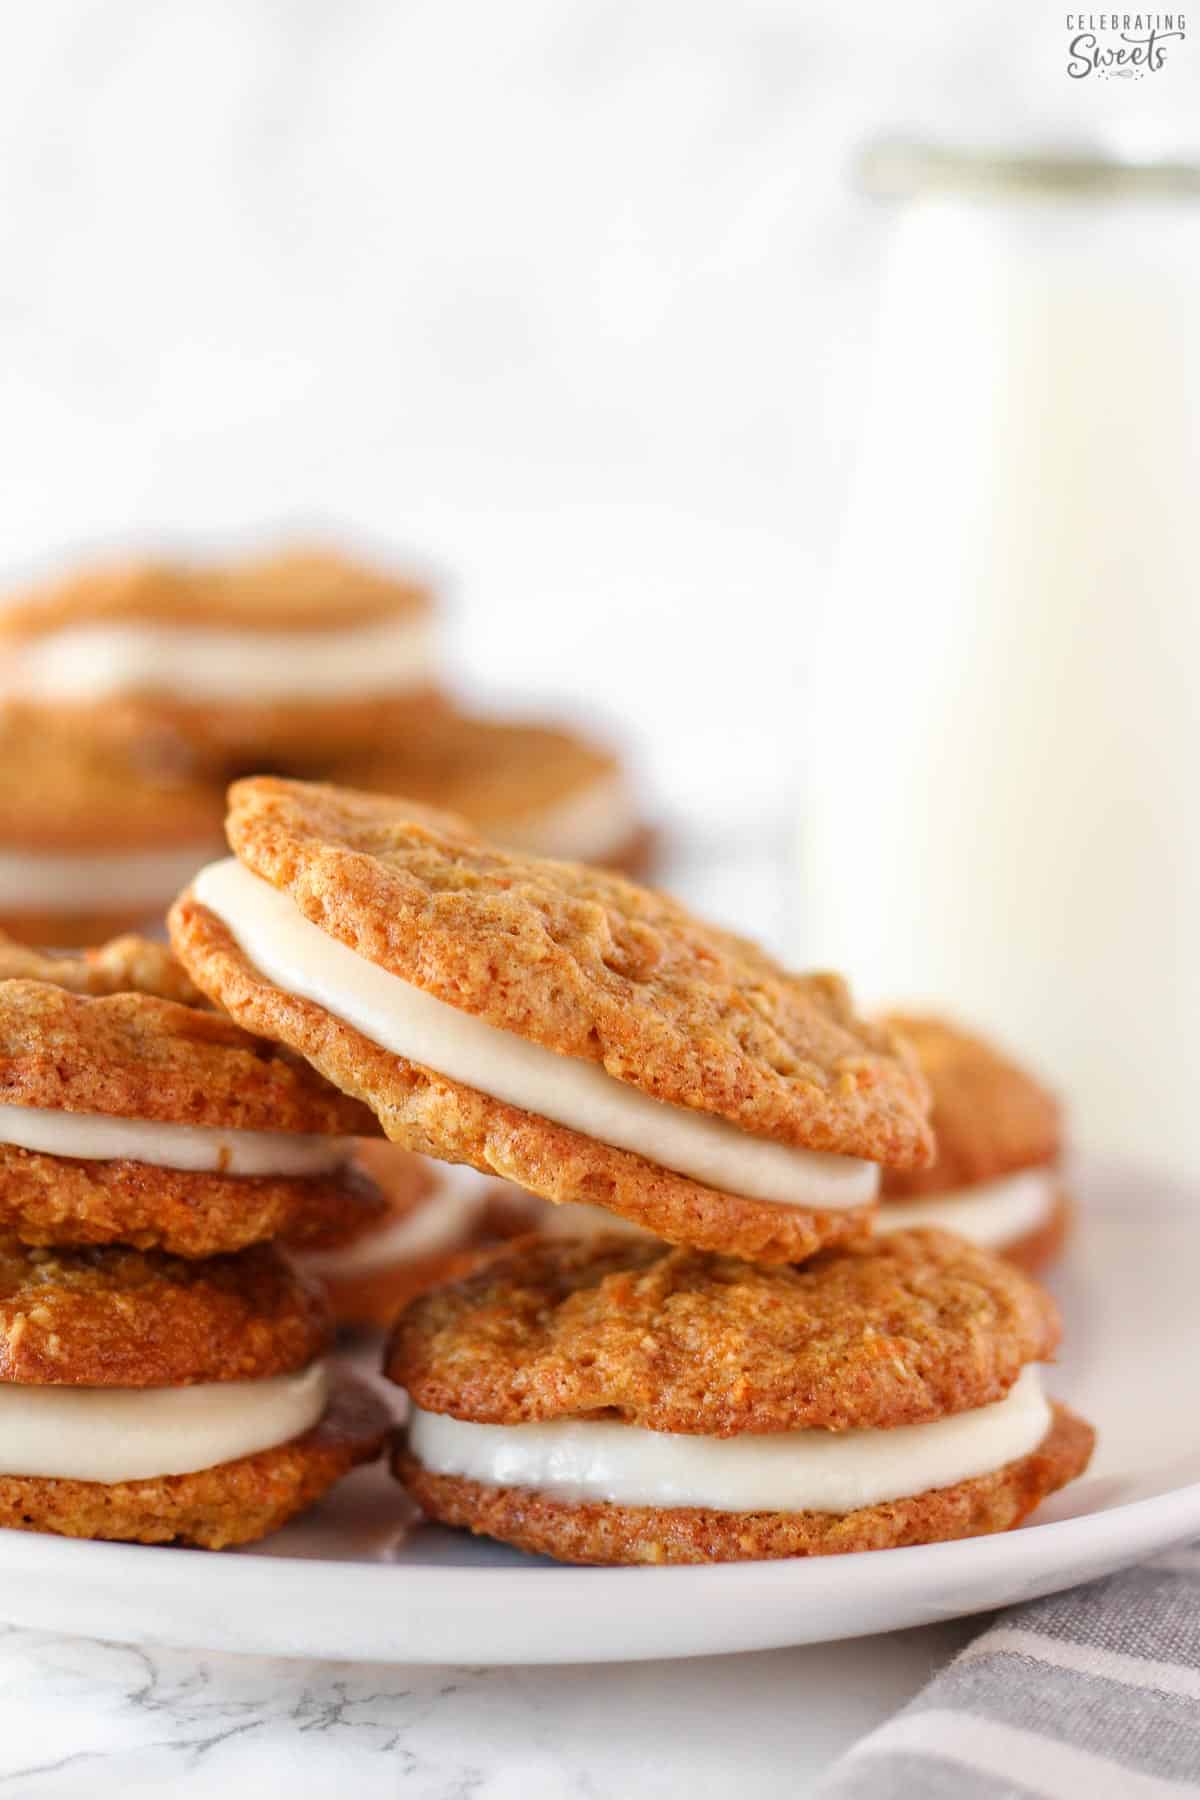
(81, 1720)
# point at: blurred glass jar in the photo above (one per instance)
(1000, 811)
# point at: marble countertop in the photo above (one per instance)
(80, 1718)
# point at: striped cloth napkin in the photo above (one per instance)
(1089, 1695)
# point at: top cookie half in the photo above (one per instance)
(555, 1025)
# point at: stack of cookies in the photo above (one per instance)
(739, 1368)
(163, 1367)
(130, 694)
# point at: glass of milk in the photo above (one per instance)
(1000, 787)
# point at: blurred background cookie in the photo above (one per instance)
(996, 1180)
(438, 1217)
(124, 682)
(277, 660)
(528, 785)
(93, 840)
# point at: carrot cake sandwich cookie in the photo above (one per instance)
(533, 787)
(134, 1118)
(634, 1403)
(437, 1219)
(148, 1398)
(558, 1026)
(295, 656)
(92, 841)
(996, 1180)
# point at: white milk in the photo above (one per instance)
(999, 802)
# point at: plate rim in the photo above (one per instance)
(299, 1601)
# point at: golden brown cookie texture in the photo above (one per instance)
(991, 1117)
(913, 1327)
(232, 1503)
(443, 1119)
(113, 1317)
(75, 1201)
(125, 965)
(600, 1532)
(122, 1030)
(138, 1056)
(588, 965)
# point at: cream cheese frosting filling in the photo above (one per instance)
(301, 958)
(141, 1434)
(438, 1223)
(990, 1214)
(191, 662)
(602, 818)
(791, 1471)
(217, 1150)
(78, 881)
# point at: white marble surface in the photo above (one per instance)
(81, 1720)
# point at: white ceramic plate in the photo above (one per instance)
(348, 1583)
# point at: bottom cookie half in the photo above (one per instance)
(233, 1503)
(596, 1532)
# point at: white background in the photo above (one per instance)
(569, 299)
